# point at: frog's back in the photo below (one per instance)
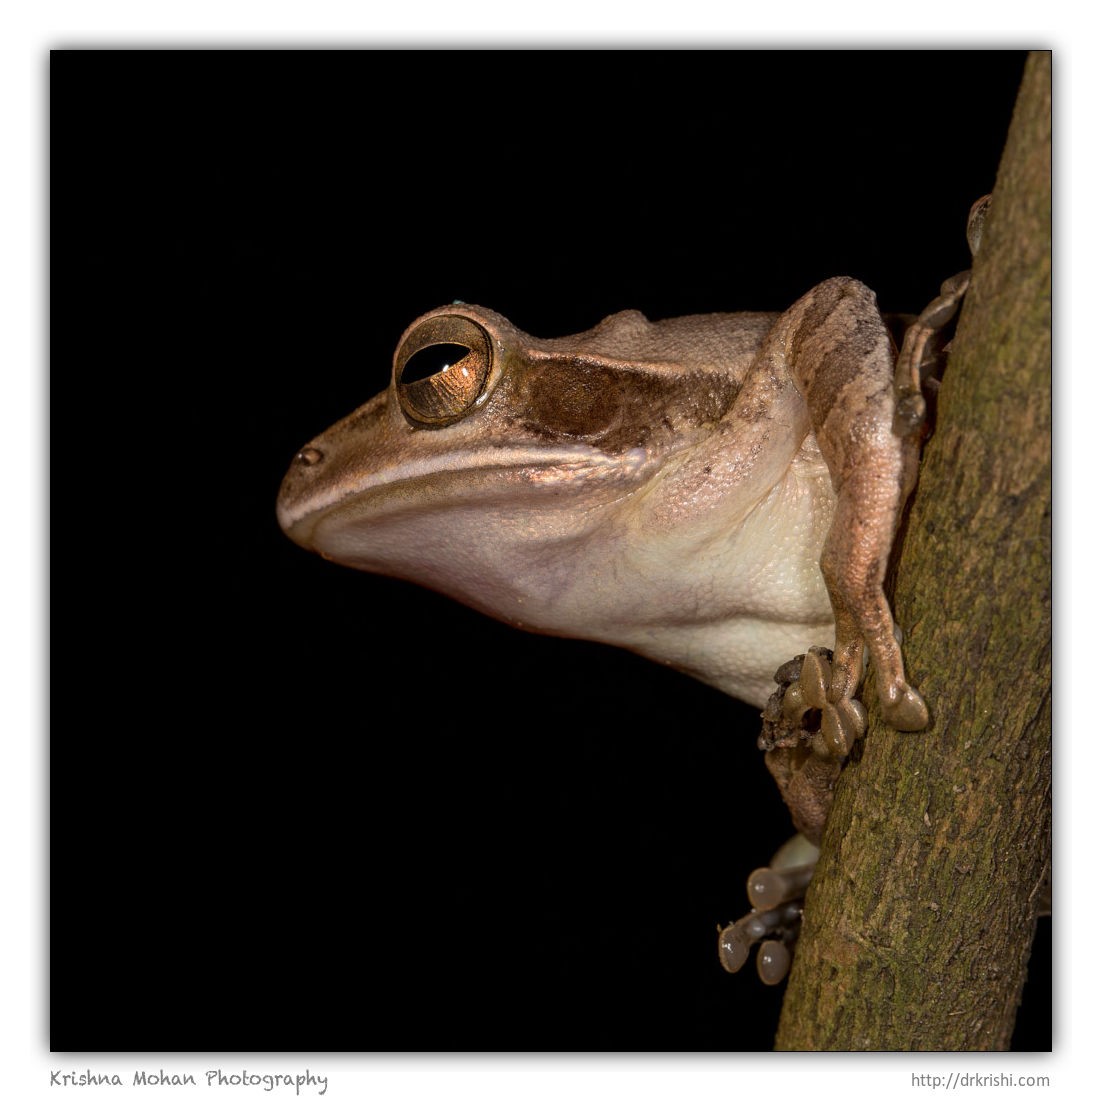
(721, 343)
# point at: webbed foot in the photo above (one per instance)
(776, 896)
(804, 760)
(842, 720)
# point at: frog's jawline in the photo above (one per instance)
(389, 493)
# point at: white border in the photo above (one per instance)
(24, 42)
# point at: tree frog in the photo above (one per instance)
(716, 492)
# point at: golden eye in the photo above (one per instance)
(441, 369)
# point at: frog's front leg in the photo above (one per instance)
(840, 357)
(868, 416)
(833, 349)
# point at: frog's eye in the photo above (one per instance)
(441, 369)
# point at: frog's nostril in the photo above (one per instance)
(308, 457)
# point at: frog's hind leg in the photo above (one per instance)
(841, 359)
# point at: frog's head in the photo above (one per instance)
(490, 450)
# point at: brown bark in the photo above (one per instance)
(919, 923)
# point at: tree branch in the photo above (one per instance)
(919, 922)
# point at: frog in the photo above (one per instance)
(715, 492)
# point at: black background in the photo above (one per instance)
(276, 824)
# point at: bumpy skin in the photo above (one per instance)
(716, 492)
(841, 359)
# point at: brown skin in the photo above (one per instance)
(611, 485)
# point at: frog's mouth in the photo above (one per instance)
(317, 498)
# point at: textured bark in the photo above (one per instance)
(919, 923)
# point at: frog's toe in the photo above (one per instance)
(774, 960)
(770, 886)
(776, 894)
(910, 413)
(734, 946)
(806, 737)
(810, 691)
(776, 929)
(843, 722)
(904, 709)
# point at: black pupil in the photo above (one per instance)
(432, 360)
